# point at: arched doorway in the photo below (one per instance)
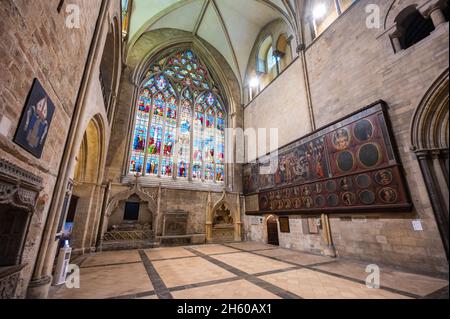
(430, 142)
(272, 231)
(87, 188)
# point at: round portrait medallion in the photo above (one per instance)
(273, 205)
(341, 139)
(345, 184)
(297, 203)
(320, 201)
(348, 198)
(318, 188)
(308, 202)
(330, 186)
(369, 155)
(333, 200)
(363, 181)
(345, 161)
(363, 130)
(388, 195)
(367, 197)
(280, 205)
(306, 191)
(287, 204)
(264, 203)
(384, 177)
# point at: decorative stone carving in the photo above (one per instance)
(8, 285)
(223, 216)
(136, 190)
(18, 187)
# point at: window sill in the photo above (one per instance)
(169, 183)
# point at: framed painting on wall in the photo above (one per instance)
(35, 121)
(284, 224)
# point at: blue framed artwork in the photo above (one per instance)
(35, 120)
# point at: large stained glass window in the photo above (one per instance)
(179, 130)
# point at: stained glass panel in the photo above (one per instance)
(171, 138)
(184, 139)
(198, 143)
(209, 144)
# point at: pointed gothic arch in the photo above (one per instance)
(430, 143)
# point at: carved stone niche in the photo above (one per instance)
(223, 225)
(19, 191)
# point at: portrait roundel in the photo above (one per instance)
(367, 197)
(345, 161)
(280, 205)
(297, 203)
(318, 188)
(333, 200)
(349, 198)
(363, 130)
(287, 204)
(363, 181)
(264, 203)
(388, 195)
(369, 155)
(331, 186)
(320, 201)
(308, 202)
(341, 139)
(345, 183)
(384, 177)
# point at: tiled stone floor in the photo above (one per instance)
(238, 271)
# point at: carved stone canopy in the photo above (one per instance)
(135, 192)
(18, 187)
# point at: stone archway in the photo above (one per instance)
(87, 186)
(138, 234)
(430, 143)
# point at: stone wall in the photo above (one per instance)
(350, 66)
(282, 105)
(36, 44)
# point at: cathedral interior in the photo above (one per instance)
(224, 149)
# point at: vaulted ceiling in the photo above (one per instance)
(231, 26)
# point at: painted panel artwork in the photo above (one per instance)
(349, 164)
(35, 121)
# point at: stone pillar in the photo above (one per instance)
(209, 225)
(329, 249)
(38, 288)
(396, 43)
(238, 222)
(437, 16)
(423, 156)
(101, 226)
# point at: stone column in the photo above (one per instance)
(238, 222)
(209, 219)
(101, 226)
(329, 249)
(396, 43)
(437, 16)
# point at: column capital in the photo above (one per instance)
(422, 154)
